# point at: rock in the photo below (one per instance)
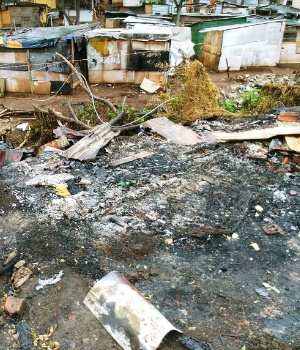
(15, 306)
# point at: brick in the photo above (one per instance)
(15, 306)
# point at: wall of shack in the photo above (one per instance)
(126, 61)
(290, 48)
(243, 46)
(36, 70)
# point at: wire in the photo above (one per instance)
(56, 91)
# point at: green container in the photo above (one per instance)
(198, 38)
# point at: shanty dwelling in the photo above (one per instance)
(130, 55)
(28, 62)
(290, 48)
(204, 23)
(240, 46)
(23, 15)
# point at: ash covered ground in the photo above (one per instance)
(178, 224)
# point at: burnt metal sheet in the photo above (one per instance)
(174, 132)
(126, 315)
(8, 156)
(147, 61)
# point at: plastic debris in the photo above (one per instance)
(62, 190)
(269, 287)
(190, 343)
(262, 292)
(255, 246)
(53, 280)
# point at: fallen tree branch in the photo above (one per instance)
(63, 117)
(84, 86)
(120, 115)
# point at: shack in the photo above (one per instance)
(128, 55)
(23, 15)
(290, 48)
(198, 35)
(240, 46)
(28, 62)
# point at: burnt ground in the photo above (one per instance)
(188, 216)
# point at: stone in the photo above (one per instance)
(15, 306)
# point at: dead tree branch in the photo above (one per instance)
(85, 87)
(62, 117)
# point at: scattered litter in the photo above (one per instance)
(62, 190)
(56, 278)
(293, 193)
(262, 292)
(272, 229)
(11, 256)
(255, 246)
(115, 219)
(9, 156)
(59, 144)
(21, 276)
(190, 343)
(149, 86)
(23, 126)
(169, 240)
(259, 208)
(122, 310)
(128, 159)
(54, 179)
(174, 132)
(88, 147)
(269, 287)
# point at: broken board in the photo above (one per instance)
(174, 132)
(258, 134)
(128, 159)
(292, 141)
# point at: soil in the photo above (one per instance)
(186, 219)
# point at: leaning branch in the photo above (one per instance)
(85, 88)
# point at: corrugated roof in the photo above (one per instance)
(235, 26)
(32, 38)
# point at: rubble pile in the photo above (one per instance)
(208, 232)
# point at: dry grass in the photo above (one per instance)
(198, 98)
(274, 96)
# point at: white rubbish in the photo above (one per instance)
(54, 179)
(53, 280)
(149, 86)
(23, 127)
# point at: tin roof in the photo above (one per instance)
(32, 38)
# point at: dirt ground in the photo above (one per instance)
(189, 215)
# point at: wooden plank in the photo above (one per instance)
(259, 134)
(128, 159)
(174, 132)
